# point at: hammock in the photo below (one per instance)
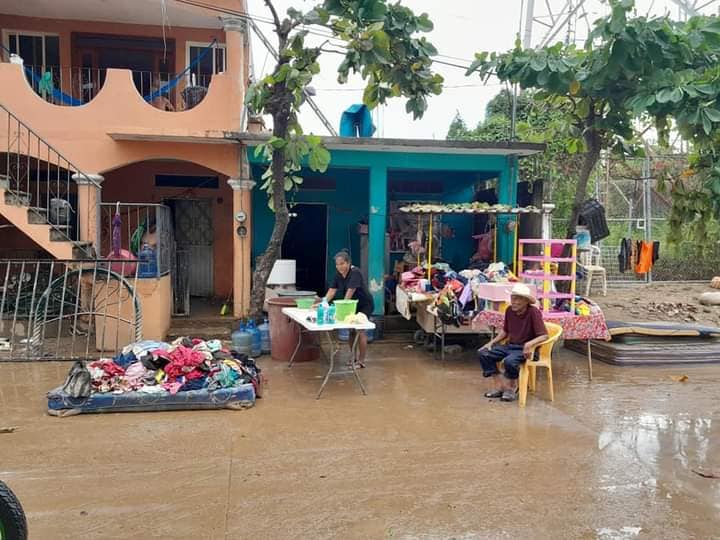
(65, 99)
(172, 83)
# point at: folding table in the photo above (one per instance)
(302, 317)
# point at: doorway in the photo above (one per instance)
(306, 242)
(194, 232)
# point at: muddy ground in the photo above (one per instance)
(422, 456)
(677, 302)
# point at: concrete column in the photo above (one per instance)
(377, 224)
(235, 50)
(88, 207)
(242, 243)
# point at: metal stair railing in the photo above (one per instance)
(36, 175)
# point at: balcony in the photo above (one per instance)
(73, 87)
(100, 80)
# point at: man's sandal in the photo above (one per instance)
(494, 394)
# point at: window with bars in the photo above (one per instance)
(41, 51)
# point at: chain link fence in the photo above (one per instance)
(638, 207)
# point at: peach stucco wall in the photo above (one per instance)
(118, 127)
(136, 183)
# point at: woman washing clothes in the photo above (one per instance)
(349, 284)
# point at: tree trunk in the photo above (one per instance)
(590, 159)
(265, 262)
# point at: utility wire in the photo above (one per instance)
(310, 30)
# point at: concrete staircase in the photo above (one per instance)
(15, 206)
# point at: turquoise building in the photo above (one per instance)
(365, 177)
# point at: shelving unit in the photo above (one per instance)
(546, 276)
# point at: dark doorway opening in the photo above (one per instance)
(306, 242)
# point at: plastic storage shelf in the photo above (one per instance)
(547, 295)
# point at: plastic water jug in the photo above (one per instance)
(331, 314)
(265, 337)
(343, 334)
(242, 340)
(321, 313)
(148, 262)
(256, 347)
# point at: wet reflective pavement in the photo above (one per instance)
(424, 455)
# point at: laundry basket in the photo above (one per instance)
(344, 308)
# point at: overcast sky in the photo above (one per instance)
(462, 27)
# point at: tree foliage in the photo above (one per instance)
(632, 70)
(382, 44)
(538, 122)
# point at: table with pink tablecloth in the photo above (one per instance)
(497, 292)
(578, 327)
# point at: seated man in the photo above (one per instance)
(524, 329)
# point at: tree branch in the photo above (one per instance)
(271, 7)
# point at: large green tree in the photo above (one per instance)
(535, 121)
(381, 42)
(594, 87)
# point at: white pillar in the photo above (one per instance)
(88, 207)
(547, 210)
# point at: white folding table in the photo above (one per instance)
(302, 317)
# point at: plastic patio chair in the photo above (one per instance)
(528, 371)
(590, 261)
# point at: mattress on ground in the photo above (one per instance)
(665, 329)
(652, 351)
(239, 397)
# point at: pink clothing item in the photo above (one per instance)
(134, 374)
(182, 362)
(173, 387)
(109, 367)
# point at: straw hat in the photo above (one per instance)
(522, 290)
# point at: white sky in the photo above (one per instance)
(462, 27)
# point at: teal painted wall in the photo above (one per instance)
(346, 206)
(458, 250)
(350, 202)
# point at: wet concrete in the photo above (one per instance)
(424, 455)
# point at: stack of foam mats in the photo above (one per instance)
(654, 343)
(238, 397)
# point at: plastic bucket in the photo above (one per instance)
(344, 308)
(304, 303)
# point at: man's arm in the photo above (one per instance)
(349, 294)
(529, 347)
(497, 339)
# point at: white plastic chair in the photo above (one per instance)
(590, 261)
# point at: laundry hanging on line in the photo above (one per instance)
(638, 255)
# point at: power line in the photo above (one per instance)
(310, 30)
(445, 87)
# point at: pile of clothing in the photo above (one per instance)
(153, 367)
(456, 295)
